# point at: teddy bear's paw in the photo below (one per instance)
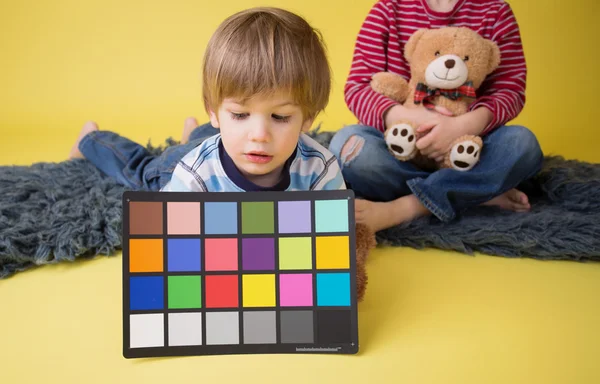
(401, 141)
(465, 154)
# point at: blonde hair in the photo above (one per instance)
(265, 50)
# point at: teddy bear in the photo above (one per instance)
(447, 66)
(365, 241)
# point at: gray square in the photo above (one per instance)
(185, 329)
(222, 328)
(297, 327)
(259, 327)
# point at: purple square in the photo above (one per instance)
(294, 217)
(258, 254)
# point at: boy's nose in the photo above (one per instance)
(259, 132)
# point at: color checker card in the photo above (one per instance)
(236, 273)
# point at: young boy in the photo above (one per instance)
(392, 191)
(265, 78)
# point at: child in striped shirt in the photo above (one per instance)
(393, 191)
(265, 78)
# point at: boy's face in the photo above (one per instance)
(260, 134)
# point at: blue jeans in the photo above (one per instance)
(130, 163)
(510, 155)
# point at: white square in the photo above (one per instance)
(146, 330)
(222, 328)
(185, 329)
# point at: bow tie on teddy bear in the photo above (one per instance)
(424, 92)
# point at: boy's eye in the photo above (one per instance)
(437, 53)
(282, 119)
(238, 116)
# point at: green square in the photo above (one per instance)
(295, 253)
(184, 292)
(258, 218)
(331, 215)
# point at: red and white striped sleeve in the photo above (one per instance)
(503, 91)
(370, 57)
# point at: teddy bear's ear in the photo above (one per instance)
(494, 56)
(411, 44)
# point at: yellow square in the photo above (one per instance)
(333, 252)
(258, 290)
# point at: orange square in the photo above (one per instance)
(145, 255)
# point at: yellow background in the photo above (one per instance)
(428, 316)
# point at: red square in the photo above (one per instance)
(222, 291)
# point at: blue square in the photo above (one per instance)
(146, 292)
(183, 255)
(331, 215)
(220, 219)
(333, 289)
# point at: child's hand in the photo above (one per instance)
(418, 115)
(441, 131)
(439, 134)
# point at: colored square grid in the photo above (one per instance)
(183, 255)
(333, 252)
(297, 327)
(259, 327)
(146, 292)
(258, 254)
(221, 291)
(331, 216)
(222, 328)
(221, 254)
(183, 218)
(296, 290)
(145, 218)
(184, 292)
(185, 329)
(258, 290)
(294, 217)
(333, 289)
(295, 253)
(220, 218)
(145, 255)
(258, 217)
(146, 330)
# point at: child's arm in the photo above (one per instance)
(370, 57)
(503, 92)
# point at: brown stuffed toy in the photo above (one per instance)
(365, 241)
(447, 66)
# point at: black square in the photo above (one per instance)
(334, 327)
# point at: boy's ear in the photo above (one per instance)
(214, 120)
(306, 125)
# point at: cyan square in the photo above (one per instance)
(331, 215)
(333, 289)
(220, 218)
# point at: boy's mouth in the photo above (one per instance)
(258, 157)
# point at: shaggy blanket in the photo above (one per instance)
(53, 212)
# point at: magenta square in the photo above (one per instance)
(258, 254)
(296, 290)
(294, 216)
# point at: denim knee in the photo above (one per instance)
(341, 137)
(526, 146)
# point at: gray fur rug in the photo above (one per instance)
(53, 212)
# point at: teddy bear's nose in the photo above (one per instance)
(450, 63)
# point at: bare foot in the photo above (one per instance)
(188, 126)
(88, 127)
(513, 200)
(378, 216)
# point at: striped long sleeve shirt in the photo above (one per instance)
(387, 28)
